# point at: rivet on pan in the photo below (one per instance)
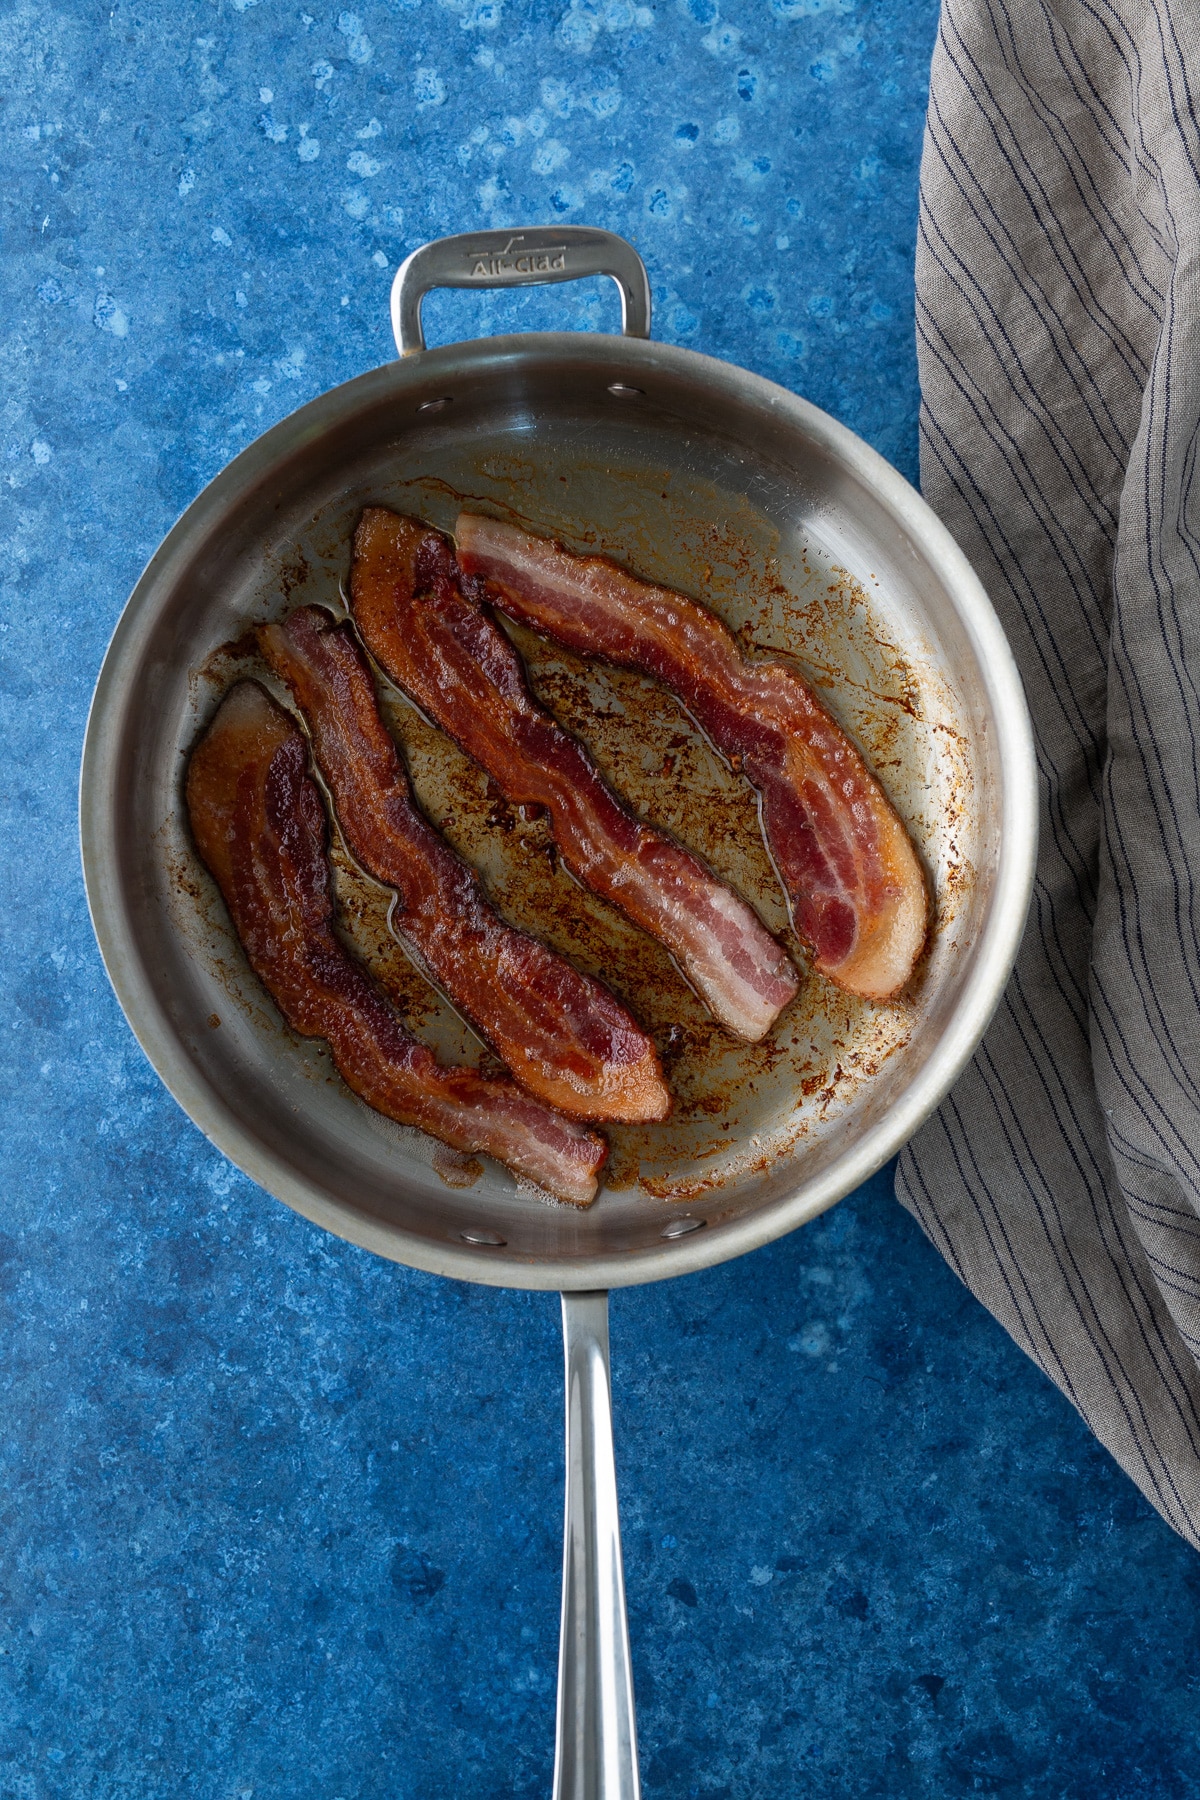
(489, 1239)
(435, 405)
(624, 392)
(681, 1227)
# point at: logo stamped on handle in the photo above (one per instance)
(511, 261)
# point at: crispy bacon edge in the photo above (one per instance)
(565, 1037)
(448, 654)
(259, 825)
(852, 875)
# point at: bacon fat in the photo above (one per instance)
(446, 651)
(563, 1035)
(855, 885)
(259, 825)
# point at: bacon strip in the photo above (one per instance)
(562, 1034)
(847, 863)
(448, 653)
(259, 824)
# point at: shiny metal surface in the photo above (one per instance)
(532, 257)
(705, 478)
(533, 426)
(595, 1752)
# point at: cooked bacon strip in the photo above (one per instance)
(259, 825)
(562, 1034)
(847, 863)
(449, 654)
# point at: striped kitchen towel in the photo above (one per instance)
(1058, 318)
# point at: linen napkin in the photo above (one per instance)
(1058, 318)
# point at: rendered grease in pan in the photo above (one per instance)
(739, 1107)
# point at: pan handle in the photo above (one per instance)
(595, 1753)
(530, 257)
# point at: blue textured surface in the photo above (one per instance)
(281, 1520)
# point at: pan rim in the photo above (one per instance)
(994, 952)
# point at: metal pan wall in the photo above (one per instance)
(702, 477)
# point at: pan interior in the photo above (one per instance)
(738, 508)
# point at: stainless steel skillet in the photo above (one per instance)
(706, 478)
